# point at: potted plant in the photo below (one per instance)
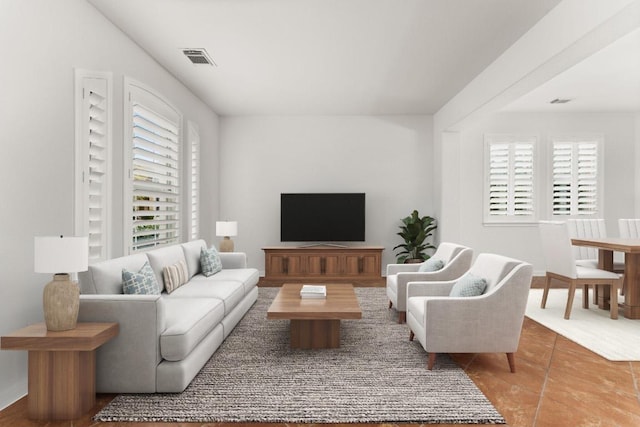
(415, 231)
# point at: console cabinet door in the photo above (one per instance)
(314, 265)
(284, 265)
(333, 265)
(323, 265)
(362, 265)
(293, 265)
(275, 265)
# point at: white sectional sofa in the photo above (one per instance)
(164, 339)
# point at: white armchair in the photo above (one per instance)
(486, 323)
(456, 259)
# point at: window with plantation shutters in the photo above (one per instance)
(576, 177)
(154, 171)
(194, 196)
(93, 146)
(510, 179)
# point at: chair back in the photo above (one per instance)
(493, 268)
(557, 249)
(629, 228)
(586, 228)
(447, 251)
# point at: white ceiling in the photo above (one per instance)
(607, 81)
(340, 56)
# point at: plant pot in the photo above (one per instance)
(413, 260)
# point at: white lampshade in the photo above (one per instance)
(61, 254)
(226, 228)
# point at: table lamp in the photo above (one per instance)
(226, 229)
(61, 297)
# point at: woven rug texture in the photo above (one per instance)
(376, 376)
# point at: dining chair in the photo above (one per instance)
(595, 228)
(629, 228)
(561, 265)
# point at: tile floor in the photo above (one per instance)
(558, 383)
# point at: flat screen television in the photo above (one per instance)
(322, 217)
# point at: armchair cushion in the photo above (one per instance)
(469, 285)
(431, 264)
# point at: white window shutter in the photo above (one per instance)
(194, 220)
(499, 179)
(562, 178)
(522, 184)
(93, 149)
(587, 177)
(510, 191)
(575, 178)
(155, 179)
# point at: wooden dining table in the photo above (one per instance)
(631, 249)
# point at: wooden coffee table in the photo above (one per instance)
(315, 323)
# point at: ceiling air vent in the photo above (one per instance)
(198, 56)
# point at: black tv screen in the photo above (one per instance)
(322, 217)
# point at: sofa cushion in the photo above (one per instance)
(210, 262)
(175, 276)
(142, 282)
(468, 285)
(248, 276)
(192, 255)
(230, 292)
(188, 321)
(160, 258)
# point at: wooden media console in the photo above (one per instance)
(323, 263)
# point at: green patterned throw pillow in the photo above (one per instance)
(210, 261)
(142, 282)
(468, 285)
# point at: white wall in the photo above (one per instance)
(636, 193)
(522, 242)
(41, 42)
(387, 157)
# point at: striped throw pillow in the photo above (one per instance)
(175, 276)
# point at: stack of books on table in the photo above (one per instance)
(313, 291)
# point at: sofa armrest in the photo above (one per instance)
(402, 268)
(127, 364)
(429, 289)
(233, 259)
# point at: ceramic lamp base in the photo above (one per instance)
(226, 245)
(60, 302)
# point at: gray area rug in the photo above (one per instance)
(376, 376)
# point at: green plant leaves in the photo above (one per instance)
(415, 231)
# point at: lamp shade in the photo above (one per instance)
(226, 228)
(61, 254)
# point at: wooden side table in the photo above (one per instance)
(62, 376)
